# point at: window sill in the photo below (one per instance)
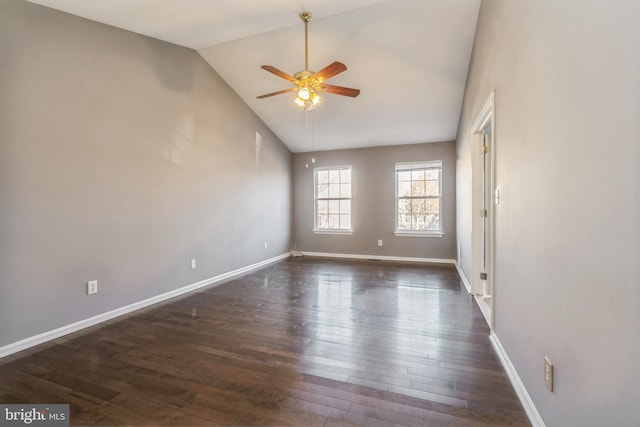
(344, 232)
(419, 233)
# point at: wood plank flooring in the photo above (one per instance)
(305, 342)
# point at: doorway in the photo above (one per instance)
(483, 223)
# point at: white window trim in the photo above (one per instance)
(336, 231)
(418, 233)
(426, 233)
(332, 231)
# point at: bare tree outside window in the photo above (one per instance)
(418, 194)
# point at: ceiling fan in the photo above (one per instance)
(309, 83)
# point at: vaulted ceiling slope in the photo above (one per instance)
(409, 58)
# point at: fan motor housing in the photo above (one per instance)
(302, 74)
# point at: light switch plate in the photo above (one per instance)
(548, 373)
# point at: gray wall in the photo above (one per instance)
(565, 75)
(121, 158)
(373, 202)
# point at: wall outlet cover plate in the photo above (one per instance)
(92, 287)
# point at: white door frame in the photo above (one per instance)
(484, 121)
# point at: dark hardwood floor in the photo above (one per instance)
(303, 342)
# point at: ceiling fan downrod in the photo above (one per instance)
(306, 17)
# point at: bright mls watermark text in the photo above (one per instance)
(34, 415)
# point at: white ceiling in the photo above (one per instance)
(409, 58)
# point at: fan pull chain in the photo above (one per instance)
(309, 121)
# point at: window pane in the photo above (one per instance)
(404, 189)
(345, 175)
(345, 221)
(404, 222)
(432, 188)
(415, 222)
(334, 176)
(433, 222)
(432, 206)
(323, 207)
(404, 176)
(433, 174)
(421, 222)
(418, 206)
(334, 206)
(323, 177)
(345, 190)
(334, 191)
(323, 221)
(334, 221)
(323, 191)
(417, 175)
(418, 188)
(345, 207)
(404, 206)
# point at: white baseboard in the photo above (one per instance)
(379, 257)
(464, 278)
(518, 385)
(92, 321)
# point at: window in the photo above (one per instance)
(333, 200)
(418, 197)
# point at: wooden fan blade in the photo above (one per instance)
(329, 71)
(291, 89)
(278, 73)
(339, 90)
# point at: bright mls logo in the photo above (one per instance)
(34, 415)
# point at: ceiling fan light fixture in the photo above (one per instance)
(314, 98)
(307, 98)
(304, 93)
(308, 105)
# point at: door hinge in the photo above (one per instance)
(484, 149)
(483, 213)
(483, 276)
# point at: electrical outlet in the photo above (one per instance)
(380, 242)
(265, 245)
(193, 263)
(548, 373)
(92, 287)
